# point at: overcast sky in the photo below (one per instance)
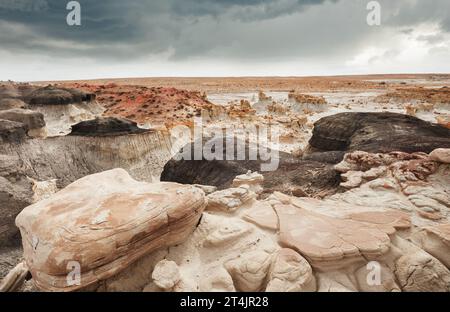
(140, 38)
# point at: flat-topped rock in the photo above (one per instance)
(103, 223)
(51, 95)
(106, 126)
(326, 242)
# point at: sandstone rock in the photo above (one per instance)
(166, 274)
(436, 241)
(249, 271)
(253, 180)
(291, 273)
(217, 279)
(106, 126)
(441, 155)
(263, 215)
(229, 200)
(392, 218)
(227, 233)
(420, 272)
(106, 230)
(387, 282)
(378, 132)
(329, 243)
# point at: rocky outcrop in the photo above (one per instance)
(51, 95)
(16, 192)
(378, 133)
(9, 103)
(103, 232)
(34, 121)
(61, 107)
(371, 237)
(12, 131)
(291, 175)
(106, 126)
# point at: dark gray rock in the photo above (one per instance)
(292, 176)
(377, 133)
(106, 126)
(51, 95)
(12, 131)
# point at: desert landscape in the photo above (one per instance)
(247, 184)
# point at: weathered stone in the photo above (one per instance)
(229, 200)
(166, 274)
(6, 104)
(263, 215)
(420, 272)
(378, 133)
(329, 243)
(51, 95)
(12, 132)
(291, 273)
(292, 176)
(441, 155)
(249, 271)
(104, 222)
(106, 126)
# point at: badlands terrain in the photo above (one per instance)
(348, 190)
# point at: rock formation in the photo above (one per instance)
(104, 231)
(378, 133)
(61, 107)
(371, 237)
(292, 175)
(106, 126)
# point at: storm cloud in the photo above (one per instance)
(220, 37)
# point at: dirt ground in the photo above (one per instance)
(310, 84)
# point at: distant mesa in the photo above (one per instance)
(106, 126)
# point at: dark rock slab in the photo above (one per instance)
(378, 133)
(52, 95)
(106, 126)
(292, 176)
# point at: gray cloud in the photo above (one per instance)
(315, 31)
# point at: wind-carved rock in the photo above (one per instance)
(291, 273)
(230, 200)
(329, 243)
(104, 229)
(166, 274)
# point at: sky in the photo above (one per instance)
(194, 38)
